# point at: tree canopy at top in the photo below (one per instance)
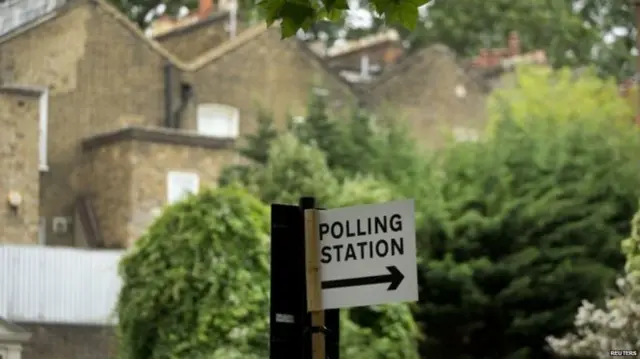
(573, 33)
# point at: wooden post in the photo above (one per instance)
(314, 289)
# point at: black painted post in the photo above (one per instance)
(290, 332)
(288, 302)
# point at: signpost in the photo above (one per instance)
(291, 328)
(323, 260)
(368, 255)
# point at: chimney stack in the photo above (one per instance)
(205, 7)
(514, 44)
(494, 58)
(391, 55)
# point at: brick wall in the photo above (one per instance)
(19, 120)
(266, 72)
(69, 342)
(101, 76)
(423, 90)
(128, 171)
(192, 41)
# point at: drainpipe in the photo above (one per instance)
(233, 18)
(168, 94)
(186, 92)
(44, 126)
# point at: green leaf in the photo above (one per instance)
(404, 14)
(336, 5)
(271, 9)
(295, 16)
(289, 27)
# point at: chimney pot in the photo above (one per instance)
(494, 57)
(392, 55)
(514, 44)
(205, 7)
(482, 58)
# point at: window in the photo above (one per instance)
(181, 184)
(462, 134)
(219, 121)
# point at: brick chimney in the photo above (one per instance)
(391, 55)
(494, 57)
(514, 44)
(481, 60)
(205, 7)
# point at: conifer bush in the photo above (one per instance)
(524, 225)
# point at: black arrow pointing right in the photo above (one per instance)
(394, 278)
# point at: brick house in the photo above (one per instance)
(360, 61)
(125, 125)
(435, 93)
(211, 24)
(438, 95)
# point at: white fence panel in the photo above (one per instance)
(58, 285)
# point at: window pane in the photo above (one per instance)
(181, 184)
(216, 126)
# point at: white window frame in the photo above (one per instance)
(209, 113)
(178, 192)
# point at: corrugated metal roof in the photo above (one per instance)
(58, 285)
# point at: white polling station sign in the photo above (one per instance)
(368, 255)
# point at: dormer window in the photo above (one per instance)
(220, 121)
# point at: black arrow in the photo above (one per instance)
(394, 278)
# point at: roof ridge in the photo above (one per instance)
(409, 60)
(226, 47)
(190, 22)
(127, 23)
(111, 11)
